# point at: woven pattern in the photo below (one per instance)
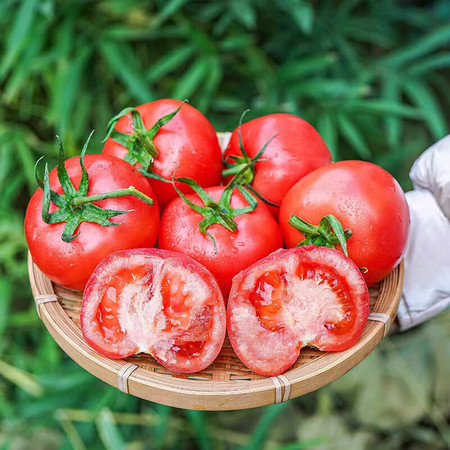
(227, 366)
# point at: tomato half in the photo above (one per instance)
(305, 296)
(71, 263)
(157, 302)
(296, 150)
(364, 198)
(257, 236)
(187, 144)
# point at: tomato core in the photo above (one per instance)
(317, 287)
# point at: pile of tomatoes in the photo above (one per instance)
(174, 243)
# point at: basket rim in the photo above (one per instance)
(212, 394)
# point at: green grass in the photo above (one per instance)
(372, 76)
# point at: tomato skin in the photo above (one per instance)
(187, 144)
(164, 303)
(70, 264)
(258, 235)
(363, 197)
(296, 150)
(301, 307)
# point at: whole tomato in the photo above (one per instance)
(167, 140)
(365, 199)
(222, 251)
(295, 150)
(95, 228)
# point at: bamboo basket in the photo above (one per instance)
(227, 384)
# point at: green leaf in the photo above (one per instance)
(327, 129)
(391, 92)
(200, 428)
(301, 11)
(263, 426)
(170, 8)
(439, 61)
(423, 97)
(426, 45)
(16, 39)
(25, 66)
(191, 80)
(244, 13)
(69, 88)
(382, 108)
(21, 379)
(109, 432)
(329, 88)
(127, 68)
(160, 431)
(293, 70)
(353, 136)
(170, 62)
(5, 302)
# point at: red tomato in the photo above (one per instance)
(305, 296)
(187, 144)
(364, 198)
(296, 150)
(257, 236)
(157, 302)
(71, 263)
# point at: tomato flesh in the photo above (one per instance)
(157, 302)
(267, 300)
(303, 296)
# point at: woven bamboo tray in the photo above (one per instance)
(227, 384)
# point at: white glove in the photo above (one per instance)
(426, 289)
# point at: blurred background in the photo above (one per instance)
(372, 76)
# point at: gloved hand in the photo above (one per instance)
(426, 289)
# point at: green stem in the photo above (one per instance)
(328, 233)
(235, 169)
(145, 143)
(131, 190)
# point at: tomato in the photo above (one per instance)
(187, 144)
(71, 263)
(304, 296)
(158, 302)
(256, 236)
(364, 198)
(295, 150)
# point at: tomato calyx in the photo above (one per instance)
(328, 233)
(140, 145)
(76, 206)
(219, 212)
(246, 164)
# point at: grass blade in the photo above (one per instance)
(262, 427)
(123, 63)
(21, 379)
(327, 129)
(191, 80)
(422, 96)
(108, 431)
(431, 42)
(199, 426)
(16, 40)
(353, 136)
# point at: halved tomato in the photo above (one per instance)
(304, 296)
(157, 302)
